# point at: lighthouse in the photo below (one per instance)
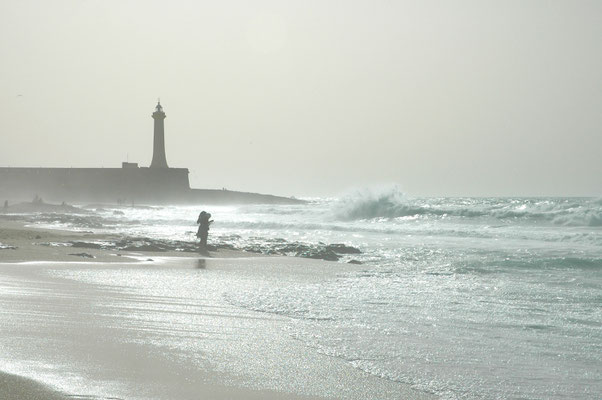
(159, 160)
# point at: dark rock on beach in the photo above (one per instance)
(276, 246)
(144, 244)
(341, 248)
(321, 251)
(141, 244)
(155, 245)
(144, 247)
(84, 255)
(86, 245)
(319, 254)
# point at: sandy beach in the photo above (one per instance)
(14, 387)
(139, 325)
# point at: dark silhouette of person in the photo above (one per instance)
(203, 231)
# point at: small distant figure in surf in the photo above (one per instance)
(6, 204)
(203, 231)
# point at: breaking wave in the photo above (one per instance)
(584, 218)
(391, 203)
(369, 204)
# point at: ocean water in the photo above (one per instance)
(466, 298)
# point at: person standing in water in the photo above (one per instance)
(203, 231)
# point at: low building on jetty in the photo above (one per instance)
(156, 184)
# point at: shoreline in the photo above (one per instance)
(45, 271)
(24, 242)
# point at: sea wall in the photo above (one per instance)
(139, 185)
(215, 196)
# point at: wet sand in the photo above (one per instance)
(14, 387)
(128, 328)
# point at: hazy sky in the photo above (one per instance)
(312, 97)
